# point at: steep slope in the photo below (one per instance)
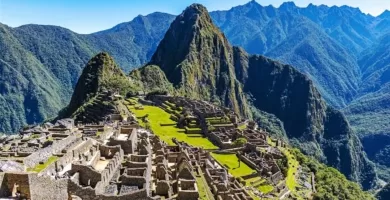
(384, 193)
(333, 70)
(59, 50)
(57, 55)
(132, 43)
(310, 39)
(200, 65)
(373, 103)
(350, 27)
(197, 60)
(382, 23)
(28, 92)
(100, 75)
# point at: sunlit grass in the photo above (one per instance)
(231, 161)
(38, 168)
(293, 164)
(158, 116)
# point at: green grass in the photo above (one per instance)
(203, 188)
(293, 164)
(193, 129)
(34, 136)
(242, 127)
(158, 116)
(270, 142)
(231, 161)
(38, 168)
(265, 188)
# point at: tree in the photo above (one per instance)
(240, 142)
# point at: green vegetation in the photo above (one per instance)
(158, 116)
(240, 142)
(34, 136)
(330, 183)
(265, 188)
(100, 74)
(57, 59)
(38, 168)
(232, 163)
(293, 165)
(204, 190)
(242, 127)
(46, 84)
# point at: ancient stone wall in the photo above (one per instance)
(133, 181)
(248, 162)
(187, 190)
(81, 148)
(19, 181)
(87, 175)
(109, 151)
(46, 188)
(128, 145)
(3, 187)
(89, 193)
(43, 154)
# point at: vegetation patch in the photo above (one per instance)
(293, 165)
(158, 116)
(265, 188)
(232, 162)
(38, 168)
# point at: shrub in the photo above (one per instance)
(240, 142)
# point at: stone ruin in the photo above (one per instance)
(117, 159)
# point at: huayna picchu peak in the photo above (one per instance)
(100, 77)
(198, 60)
(200, 63)
(256, 102)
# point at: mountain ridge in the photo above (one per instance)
(284, 92)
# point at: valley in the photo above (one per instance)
(309, 89)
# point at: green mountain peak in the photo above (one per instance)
(100, 75)
(195, 60)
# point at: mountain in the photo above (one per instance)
(90, 102)
(342, 50)
(200, 65)
(319, 41)
(28, 90)
(203, 65)
(373, 104)
(41, 64)
(384, 193)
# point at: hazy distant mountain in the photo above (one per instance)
(369, 113)
(40, 65)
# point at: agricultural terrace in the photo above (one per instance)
(38, 168)
(158, 116)
(293, 165)
(230, 161)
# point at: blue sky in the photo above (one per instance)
(86, 16)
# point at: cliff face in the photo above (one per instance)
(196, 59)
